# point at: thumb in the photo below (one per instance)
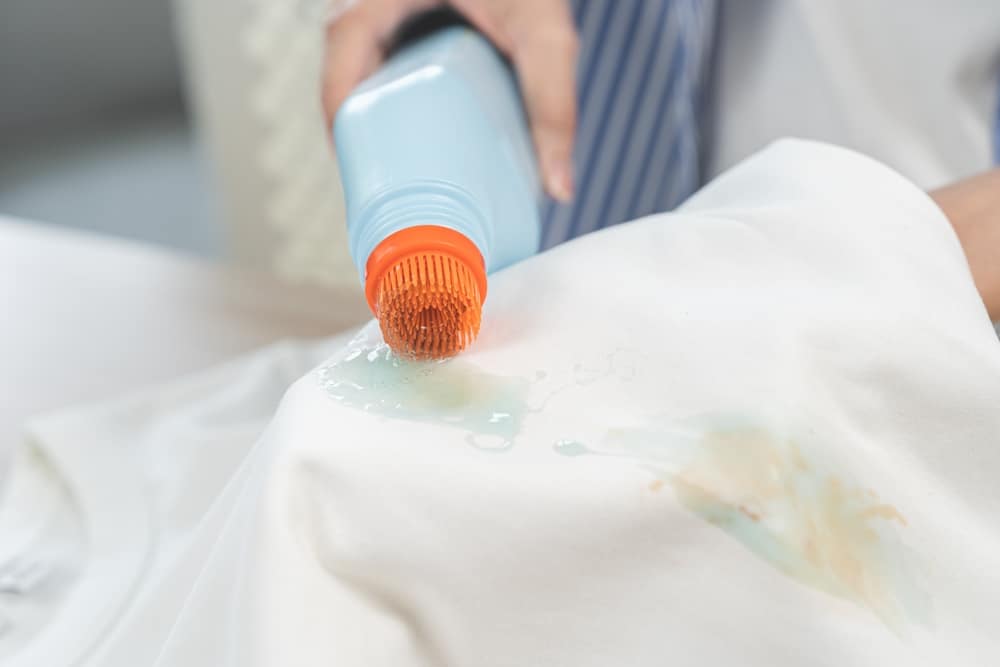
(355, 42)
(353, 52)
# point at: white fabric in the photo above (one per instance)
(759, 431)
(143, 473)
(87, 318)
(913, 84)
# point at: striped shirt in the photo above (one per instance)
(641, 90)
(641, 80)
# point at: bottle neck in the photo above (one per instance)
(418, 204)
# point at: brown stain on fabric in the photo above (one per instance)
(803, 518)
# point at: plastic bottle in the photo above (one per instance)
(441, 187)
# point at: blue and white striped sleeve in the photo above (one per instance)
(643, 67)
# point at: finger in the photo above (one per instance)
(353, 52)
(355, 45)
(545, 60)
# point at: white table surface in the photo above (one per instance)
(87, 317)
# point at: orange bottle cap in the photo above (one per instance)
(426, 285)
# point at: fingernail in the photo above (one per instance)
(560, 181)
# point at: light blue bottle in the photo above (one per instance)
(438, 136)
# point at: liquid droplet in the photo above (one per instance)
(571, 448)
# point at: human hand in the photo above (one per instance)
(537, 35)
(973, 208)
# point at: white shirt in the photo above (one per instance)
(743, 433)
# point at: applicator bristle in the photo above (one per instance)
(428, 306)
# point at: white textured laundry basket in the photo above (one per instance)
(254, 75)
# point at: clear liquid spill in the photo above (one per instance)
(760, 489)
(490, 408)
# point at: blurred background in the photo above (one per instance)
(191, 124)
(95, 125)
(196, 124)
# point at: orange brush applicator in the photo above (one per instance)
(426, 285)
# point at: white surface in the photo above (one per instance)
(192, 436)
(851, 383)
(913, 84)
(87, 318)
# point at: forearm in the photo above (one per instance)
(973, 207)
